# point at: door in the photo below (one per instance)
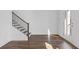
(75, 27)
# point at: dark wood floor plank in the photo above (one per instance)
(38, 42)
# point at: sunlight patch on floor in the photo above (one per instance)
(48, 46)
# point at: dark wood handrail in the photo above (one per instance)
(20, 18)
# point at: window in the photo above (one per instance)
(67, 23)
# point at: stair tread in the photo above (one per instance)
(25, 31)
(19, 27)
(15, 24)
(22, 29)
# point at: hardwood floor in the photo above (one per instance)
(38, 42)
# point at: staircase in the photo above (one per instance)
(20, 24)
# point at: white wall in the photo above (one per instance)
(61, 23)
(53, 21)
(75, 27)
(40, 20)
(5, 25)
